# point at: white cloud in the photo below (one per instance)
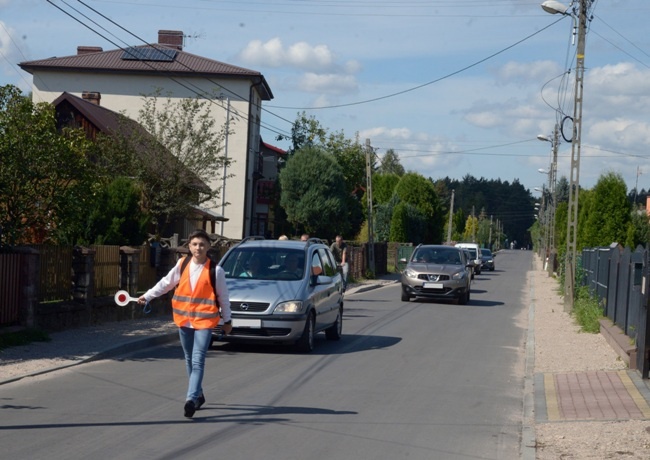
(525, 73)
(328, 83)
(300, 55)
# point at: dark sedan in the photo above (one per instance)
(487, 259)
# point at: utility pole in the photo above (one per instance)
(552, 179)
(490, 237)
(225, 166)
(371, 233)
(473, 227)
(574, 184)
(451, 217)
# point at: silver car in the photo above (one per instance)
(437, 272)
(283, 292)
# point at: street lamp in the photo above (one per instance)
(552, 186)
(554, 7)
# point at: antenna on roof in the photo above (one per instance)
(194, 36)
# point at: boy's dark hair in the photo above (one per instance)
(198, 234)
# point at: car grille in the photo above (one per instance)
(264, 332)
(253, 307)
(420, 289)
(431, 277)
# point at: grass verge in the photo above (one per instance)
(22, 337)
(587, 311)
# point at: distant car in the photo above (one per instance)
(487, 259)
(437, 272)
(470, 262)
(283, 292)
(475, 251)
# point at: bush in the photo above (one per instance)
(24, 337)
(587, 311)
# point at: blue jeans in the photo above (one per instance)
(195, 343)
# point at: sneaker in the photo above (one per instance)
(200, 401)
(189, 408)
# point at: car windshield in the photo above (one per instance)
(265, 263)
(445, 256)
(486, 252)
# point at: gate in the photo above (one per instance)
(403, 252)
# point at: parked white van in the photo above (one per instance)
(475, 251)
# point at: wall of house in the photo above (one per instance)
(123, 93)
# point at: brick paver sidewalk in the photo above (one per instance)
(595, 395)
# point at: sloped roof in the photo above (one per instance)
(273, 148)
(104, 119)
(110, 122)
(132, 61)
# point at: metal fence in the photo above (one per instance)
(619, 278)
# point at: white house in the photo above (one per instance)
(119, 78)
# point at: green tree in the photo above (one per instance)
(609, 213)
(187, 129)
(408, 224)
(640, 228)
(471, 229)
(383, 187)
(348, 153)
(383, 219)
(483, 232)
(118, 218)
(414, 189)
(313, 193)
(390, 164)
(46, 179)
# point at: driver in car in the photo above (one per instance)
(292, 265)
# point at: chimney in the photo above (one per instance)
(88, 49)
(91, 96)
(171, 39)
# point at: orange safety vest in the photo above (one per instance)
(199, 307)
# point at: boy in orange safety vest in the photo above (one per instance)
(196, 311)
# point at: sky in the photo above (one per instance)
(454, 87)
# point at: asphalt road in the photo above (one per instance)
(409, 380)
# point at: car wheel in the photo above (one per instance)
(405, 296)
(305, 343)
(335, 331)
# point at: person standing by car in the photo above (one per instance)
(340, 251)
(197, 307)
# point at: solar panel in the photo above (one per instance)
(149, 54)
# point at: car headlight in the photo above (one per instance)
(292, 306)
(410, 273)
(459, 275)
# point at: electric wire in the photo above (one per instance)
(444, 77)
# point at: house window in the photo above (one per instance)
(261, 224)
(265, 191)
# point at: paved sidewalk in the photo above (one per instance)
(594, 395)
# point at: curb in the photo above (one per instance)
(370, 286)
(135, 345)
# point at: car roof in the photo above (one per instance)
(281, 244)
(436, 246)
